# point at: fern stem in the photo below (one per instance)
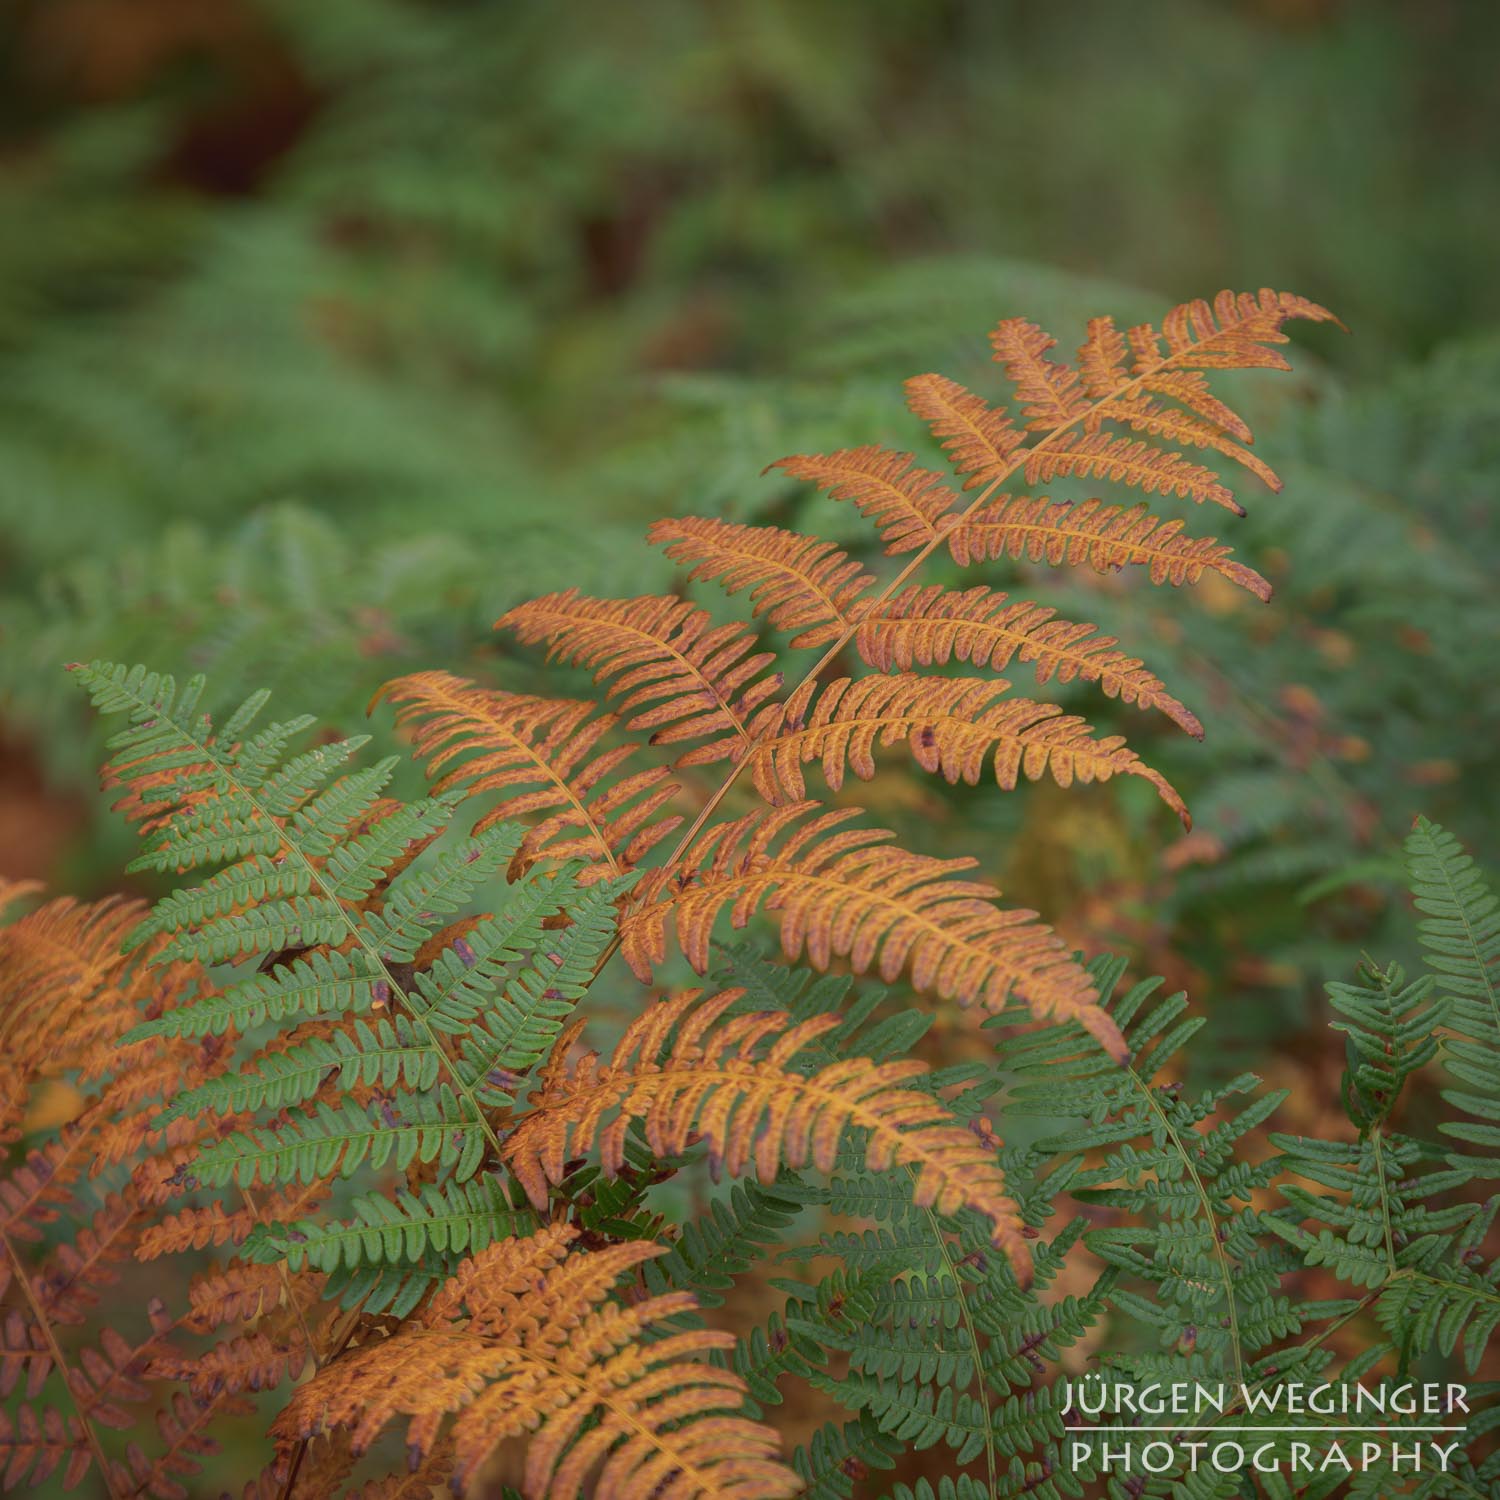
(18, 1269)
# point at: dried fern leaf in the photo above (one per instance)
(911, 506)
(799, 583)
(952, 725)
(1050, 393)
(542, 752)
(688, 1073)
(674, 671)
(66, 992)
(526, 1339)
(847, 893)
(33, 1447)
(1100, 455)
(931, 626)
(979, 439)
(1090, 532)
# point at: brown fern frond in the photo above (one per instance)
(543, 750)
(224, 1223)
(979, 439)
(182, 1429)
(910, 506)
(32, 1448)
(799, 583)
(1050, 393)
(674, 672)
(23, 1351)
(525, 1338)
(253, 1362)
(930, 626)
(850, 894)
(36, 1189)
(1104, 537)
(685, 1077)
(951, 725)
(74, 1277)
(1100, 455)
(236, 1293)
(432, 1472)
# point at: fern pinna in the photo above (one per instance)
(351, 1067)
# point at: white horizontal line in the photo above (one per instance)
(1126, 1431)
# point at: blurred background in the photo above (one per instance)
(328, 331)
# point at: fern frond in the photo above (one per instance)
(1460, 937)
(387, 1054)
(931, 626)
(67, 993)
(482, 740)
(458, 1217)
(852, 895)
(1104, 537)
(799, 583)
(1099, 455)
(979, 439)
(33, 1447)
(525, 1339)
(910, 506)
(682, 1074)
(1391, 1031)
(1050, 393)
(951, 725)
(674, 672)
(399, 1128)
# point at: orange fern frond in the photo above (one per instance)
(675, 673)
(686, 1077)
(850, 894)
(978, 438)
(59, 963)
(1103, 537)
(952, 725)
(799, 583)
(12, 891)
(544, 751)
(1100, 455)
(1230, 335)
(525, 1338)
(1050, 393)
(910, 506)
(1138, 411)
(930, 626)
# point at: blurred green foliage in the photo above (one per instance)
(328, 331)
